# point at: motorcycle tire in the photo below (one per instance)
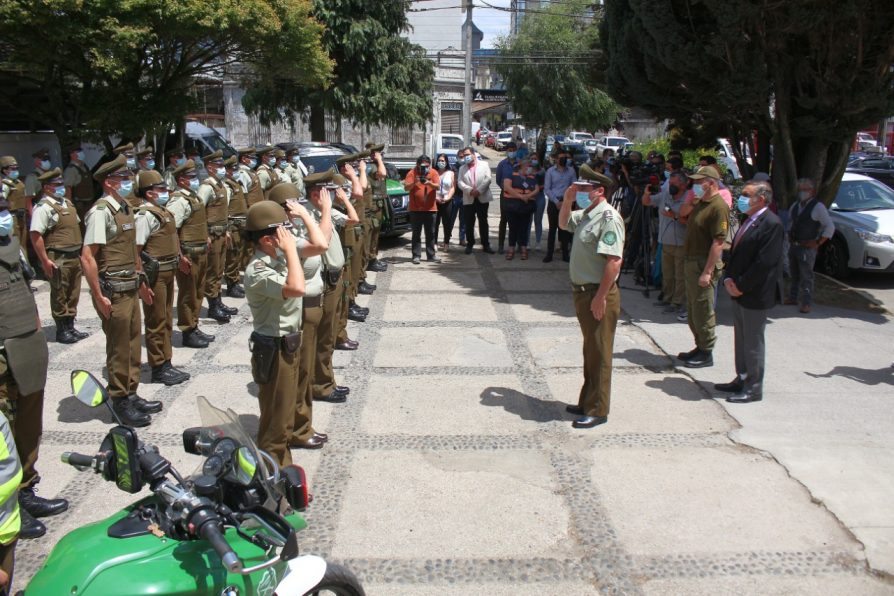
(338, 581)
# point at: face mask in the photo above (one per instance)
(582, 199)
(804, 194)
(194, 184)
(283, 165)
(80, 156)
(45, 164)
(423, 170)
(743, 204)
(252, 163)
(511, 155)
(271, 162)
(132, 163)
(673, 189)
(699, 190)
(442, 165)
(467, 159)
(534, 163)
(221, 172)
(563, 161)
(59, 191)
(125, 188)
(5, 223)
(162, 198)
(150, 164)
(179, 161)
(13, 174)
(295, 159)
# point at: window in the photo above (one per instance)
(876, 164)
(402, 135)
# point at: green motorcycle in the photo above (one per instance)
(218, 531)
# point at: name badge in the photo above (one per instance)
(126, 227)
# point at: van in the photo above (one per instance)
(202, 138)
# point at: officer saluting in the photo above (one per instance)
(237, 209)
(379, 196)
(595, 265)
(57, 241)
(274, 286)
(114, 273)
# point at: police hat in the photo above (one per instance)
(279, 153)
(7, 161)
(351, 157)
(282, 192)
(264, 215)
(324, 178)
(705, 172)
(293, 150)
(375, 148)
(188, 168)
(590, 175)
(264, 150)
(49, 176)
(123, 149)
(147, 179)
(42, 152)
(146, 151)
(246, 151)
(174, 151)
(119, 164)
(212, 157)
(231, 161)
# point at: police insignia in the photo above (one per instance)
(609, 238)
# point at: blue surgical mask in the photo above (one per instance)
(743, 204)
(283, 164)
(442, 165)
(194, 184)
(126, 188)
(511, 155)
(59, 191)
(5, 223)
(80, 156)
(162, 198)
(252, 163)
(14, 174)
(295, 159)
(467, 159)
(45, 164)
(271, 161)
(179, 161)
(150, 164)
(699, 190)
(582, 198)
(221, 173)
(534, 163)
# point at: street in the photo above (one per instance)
(453, 467)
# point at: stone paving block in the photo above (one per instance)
(711, 500)
(449, 405)
(490, 505)
(235, 351)
(563, 346)
(222, 390)
(491, 589)
(769, 586)
(459, 280)
(440, 307)
(442, 346)
(657, 404)
(520, 280)
(542, 308)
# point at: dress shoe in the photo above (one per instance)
(78, 334)
(168, 375)
(589, 421)
(576, 410)
(322, 436)
(744, 397)
(206, 336)
(312, 443)
(500, 249)
(365, 288)
(30, 528)
(548, 259)
(688, 355)
(416, 260)
(129, 414)
(216, 312)
(235, 291)
(360, 309)
(230, 310)
(804, 309)
(356, 317)
(700, 360)
(434, 260)
(146, 407)
(192, 339)
(566, 258)
(377, 266)
(488, 250)
(63, 333)
(333, 398)
(468, 249)
(342, 389)
(40, 507)
(734, 386)
(348, 344)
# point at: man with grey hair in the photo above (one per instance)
(753, 279)
(810, 228)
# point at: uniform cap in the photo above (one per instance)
(49, 175)
(174, 151)
(231, 161)
(7, 161)
(145, 151)
(119, 164)
(279, 153)
(322, 178)
(351, 158)
(42, 152)
(264, 215)
(590, 175)
(282, 192)
(148, 179)
(705, 172)
(264, 150)
(246, 151)
(374, 148)
(293, 150)
(217, 155)
(122, 149)
(187, 168)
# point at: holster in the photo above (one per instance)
(291, 343)
(20, 213)
(265, 353)
(150, 267)
(105, 286)
(331, 276)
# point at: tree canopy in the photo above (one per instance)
(379, 77)
(804, 75)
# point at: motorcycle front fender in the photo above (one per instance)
(303, 574)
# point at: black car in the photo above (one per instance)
(879, 167)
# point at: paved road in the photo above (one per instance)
(879, 285)
(453, 468)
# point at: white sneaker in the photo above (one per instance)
(536, 247)
(683, 317)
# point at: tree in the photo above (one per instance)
(96, 68)
(805, 75)
(545, 68)
(379, 77)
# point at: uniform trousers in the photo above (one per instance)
(122, 330)
(159, 319)
(376, 228)
(324, 374)
(700, 303)
(20, 231)
(801, 261)
(357, 254)
(25, 415)
(673, 281)
(365, 244)
(277, 401)
(303, 427)
(599, 340)
(65, 287)
(215, 268)
(749, 325)
(234, 257)
(189, 292)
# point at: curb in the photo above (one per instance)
(863, 293)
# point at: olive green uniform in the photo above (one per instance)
(77, 177)
(348, 239)
(275, 317)
(110, 225)
(237, 208)
(57, 221)
(598, 234)
(214, 196)
(157, 234)
(19, 204)
(189, 217)
(296, 177)
(267, 177)
(709, 220)
(312, 303)
(380, 195)
(333, 261)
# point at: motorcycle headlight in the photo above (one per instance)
(870, 236)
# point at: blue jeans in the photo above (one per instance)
(458, 212)
(538, 219)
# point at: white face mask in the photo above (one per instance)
(803, 195)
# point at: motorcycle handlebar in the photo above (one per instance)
(78, 460)
(212, 532)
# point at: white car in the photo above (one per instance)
(579, 137)
(501, 140)
(863, 213)
(864, 139)
(613, 143)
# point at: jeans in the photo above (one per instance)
(504, 221)
(445, 217)
(420, 220)
(476, 210)
(801, 261)
(538, 219)
(552, 214)
(458, 214)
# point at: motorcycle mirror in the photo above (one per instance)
(87, 388)
(245, 465)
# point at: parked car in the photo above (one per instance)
(490, 140)
(579, 137)
(590, 146)
(863, 213)
(614, 143)
(448, 145)
(727, 158)
(501, 140)
(878, 167)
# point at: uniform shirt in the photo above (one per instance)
(179, 207)
(243, 178)
(708, 221)
(264, 178)
(312, 266)
(169, 178)
(271, 314)
(71, 176)
(147, 224)
(334, 257)
(598, 234)
(296, 176)
(44, 218)
(100, 223)
(32, 184)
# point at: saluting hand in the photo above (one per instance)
(285, 241)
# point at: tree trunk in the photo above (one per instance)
(317, 124)
(836, 162)
(761, 156)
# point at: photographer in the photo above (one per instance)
(671, 234)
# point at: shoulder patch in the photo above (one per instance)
(609, 238)
(260, 264)
(101, 206)
(608, 215)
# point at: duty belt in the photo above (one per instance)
(168, 264)
(194, 249)
(114, 284)
(20, 213)
(312, 301)
(217, 228)
(584, 287)
(66, 253)
(237, 221)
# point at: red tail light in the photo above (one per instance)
(296, 487)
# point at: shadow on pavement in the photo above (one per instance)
(640, 357)
(867, 376)
(524, 406)
(71, 410)
(680, 388)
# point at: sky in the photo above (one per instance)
(493, 23)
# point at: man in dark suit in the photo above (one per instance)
(753, 278)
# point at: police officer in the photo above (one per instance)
(19, 201)
(324, 386)
(159, 250)
(266, 168)
(353, 237)
(296, 169)
(22, 210)
(192, 225)
(78, 181)
(248, 178)
(367, 206)
(127, 150)
(57, 240)
(347, 237)
(379, 196)
(174, 158)
(114, 272)
(193, 153)
(23, 374)
(594, 268)
(282, 166)
(237, 208)
(145, 159)
(213, 194)
(274, 285)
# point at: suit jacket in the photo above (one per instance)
(755, 263)
(482, 183)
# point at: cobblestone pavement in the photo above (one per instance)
(453, 467)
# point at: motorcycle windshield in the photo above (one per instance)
(217, 424)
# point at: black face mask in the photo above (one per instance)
(423, 170)
(673, 189)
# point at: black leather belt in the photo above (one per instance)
(312, 301)
(68, 253)
(585, 287)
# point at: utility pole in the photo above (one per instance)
(467, 99)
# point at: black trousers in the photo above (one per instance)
(518, 228)
(504, 221)
(445, 218)
(552, 215)
(476, 210)
(423, 220)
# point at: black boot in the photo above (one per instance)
(146, 407)
(377, 266)
(192, 339)
(205, 336)
(38, 506)
(235, 291)
(129, 414)
(361, 309)
(31, 528)
(215, 312)
(167, 374)
(79, 334)
(356, 316)
(63, 333)
(227, 309)
(365, 288)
